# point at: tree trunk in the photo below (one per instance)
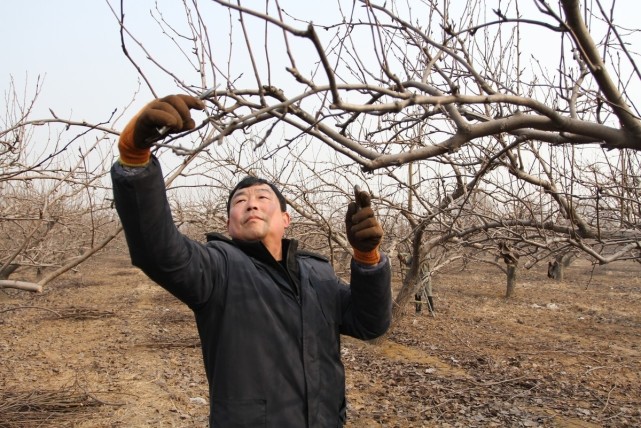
(560, 272)
(556, 268)
(511, 280)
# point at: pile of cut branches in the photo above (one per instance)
(83, 314)
(43, 408)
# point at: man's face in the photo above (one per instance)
(255, 215)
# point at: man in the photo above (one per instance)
(269, 316)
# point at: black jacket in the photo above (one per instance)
(270, 332)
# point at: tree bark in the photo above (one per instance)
(511, 280)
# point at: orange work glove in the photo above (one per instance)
(363, 230)
(142, 130)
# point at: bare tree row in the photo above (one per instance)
(477, 144)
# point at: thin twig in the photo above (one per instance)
(31, 307)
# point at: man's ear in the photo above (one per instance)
(286, 219)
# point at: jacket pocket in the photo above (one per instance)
(239, 413)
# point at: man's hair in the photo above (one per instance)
(250, 181)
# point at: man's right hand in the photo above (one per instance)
(364, 232)
(172, 112)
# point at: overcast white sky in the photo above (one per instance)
(72, 44)
(75, 47)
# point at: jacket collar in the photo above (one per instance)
(257, 250)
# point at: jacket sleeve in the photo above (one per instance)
(366, 305)
(182, 266)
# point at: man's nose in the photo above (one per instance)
(251, 204)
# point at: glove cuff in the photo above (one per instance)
(367, 257)
(130, 155)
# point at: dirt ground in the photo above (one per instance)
(105, 347)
